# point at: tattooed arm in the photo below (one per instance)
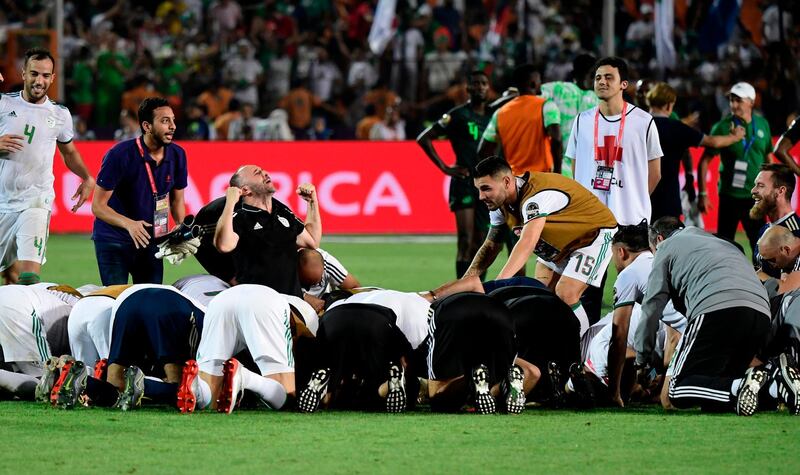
(488, 252)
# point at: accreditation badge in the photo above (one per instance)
(603, 177)
(161, 216)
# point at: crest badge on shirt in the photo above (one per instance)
(760, 133)
(283, 221)
(531, 211)
(51, 122)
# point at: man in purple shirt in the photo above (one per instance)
(140, 183)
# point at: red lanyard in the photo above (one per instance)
(610, 158)
(146, 166)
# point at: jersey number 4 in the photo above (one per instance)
(29, 131)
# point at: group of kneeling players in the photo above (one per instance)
(201, 344)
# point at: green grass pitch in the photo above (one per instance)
(37, 439)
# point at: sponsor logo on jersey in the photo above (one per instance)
(12, 114)
(257, 227)
(283, 221)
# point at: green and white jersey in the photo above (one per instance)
(26, 177)
(631, 285)
(740, 163)
(571, 100)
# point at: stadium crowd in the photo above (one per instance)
(302, 69)
(570, 171)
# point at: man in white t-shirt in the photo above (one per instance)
(31, 125)
(615, 147)
(201, 287)
(616, 154)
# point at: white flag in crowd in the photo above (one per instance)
(665, 47)
(382, 31)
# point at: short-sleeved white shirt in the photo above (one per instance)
(629, 196)
(410, 309)
(333, 275)
(201, 287)
(631, 285)
(26, 177)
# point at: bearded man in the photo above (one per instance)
(772, 196)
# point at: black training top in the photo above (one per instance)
(267, 251)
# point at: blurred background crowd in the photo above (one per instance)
(303, 69)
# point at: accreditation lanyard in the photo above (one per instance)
(747, 143)
(610, 157)
(604, 174)
(161, 203)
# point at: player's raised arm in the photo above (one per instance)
(225, 238)
(312, 234)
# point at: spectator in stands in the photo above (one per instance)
(242, 127)
(128, 126)
(364, 126)
(197, 125)
(325, 77)
(392, 127)
(244, 73)
(299, 104)
(362, 75)
(81, 84)
(216, 99)
(112, 69)
(222, 123)
(140, 89)
(226, 16)
(442, 66)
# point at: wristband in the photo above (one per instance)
(703, 193)
(433, 295)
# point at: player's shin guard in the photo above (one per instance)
(29, 278)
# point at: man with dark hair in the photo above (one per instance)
(572, 98)
(676, 138)
(31, 126)
(711, 283)
(739, 164)
(772, 197)
(463, 126)
(555, 218)
(140, 183)
(526, 128)
(616, 154)
(264, 235)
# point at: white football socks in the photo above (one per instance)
(202, 393)
(580, 313)
(270, 390)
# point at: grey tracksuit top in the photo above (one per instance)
(702, 274)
